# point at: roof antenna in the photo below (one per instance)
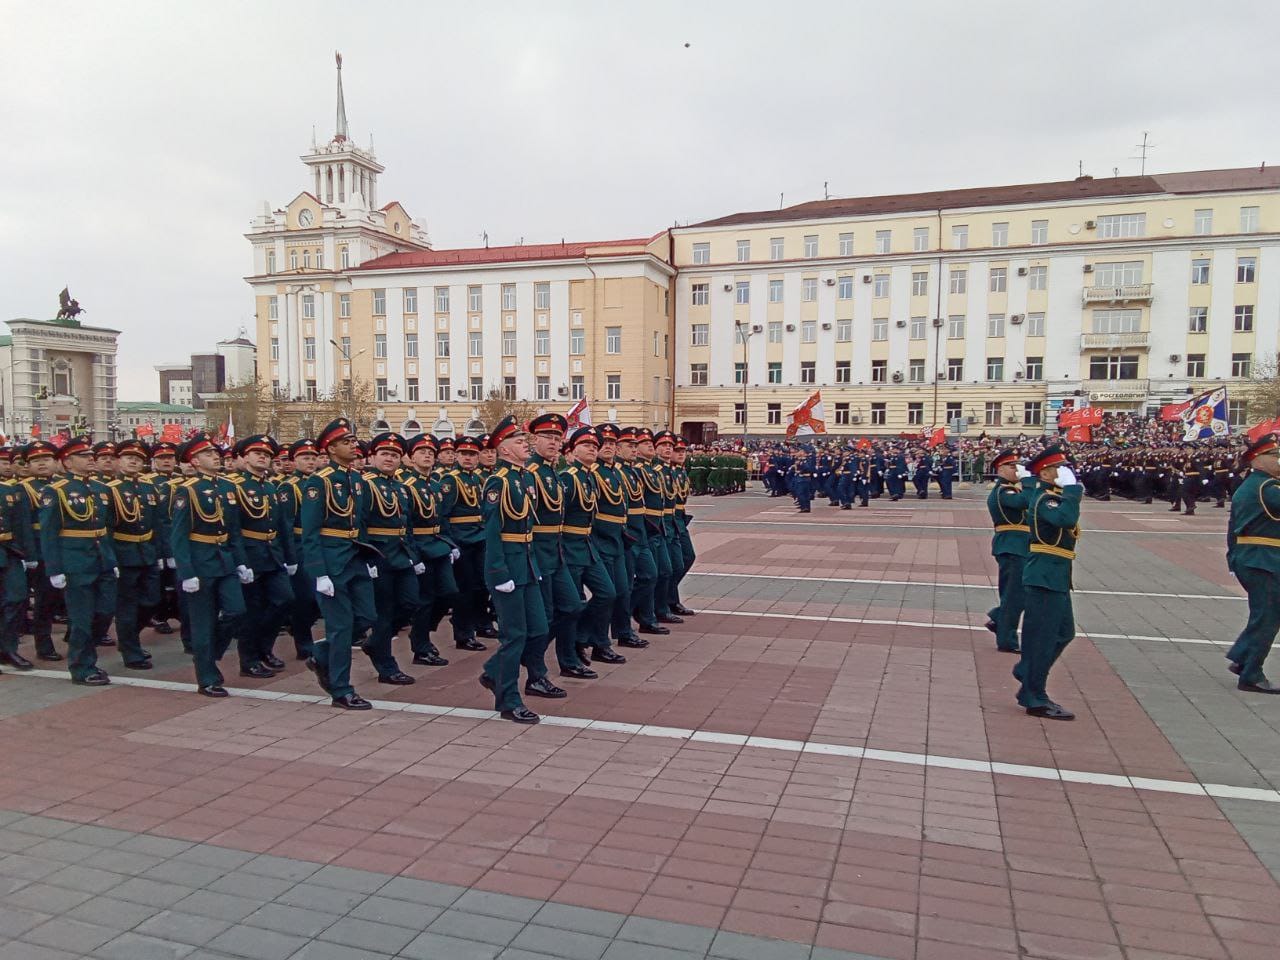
(1263, 167)
(826, 194)
(1079, 168)
(1115, 171)
(1143, 149)
(780, 196)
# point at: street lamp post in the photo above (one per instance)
(744, 336)
(346, 378)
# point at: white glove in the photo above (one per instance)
(324, 586)
(116, 571)
(1065, 476)
(291, 568)
(58, 582)
(419, 568)
(245, 574)
(171, 563)
(506, 587)
(1022, 472)
(30, 564)
(373, 571)
(191, 586)
(1204, 482)
(160, 564)
(454, 554)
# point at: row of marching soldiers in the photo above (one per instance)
(372, 537)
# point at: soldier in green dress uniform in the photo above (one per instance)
(333, 520)
(460, 491)
(1053, 513)
(303, 611)
(611, 534)
(78, 556)
(39, 456)
(648, 466)
(510, 570)
(1253, 555)
(435, 549)
(681, 543)
(163, 467)
(134, 508)
(642, 571)
(1007, 504)
(17, 550)
(663, 447)
(581, 552)
(395, 588)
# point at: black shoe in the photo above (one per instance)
(397, 679)
(216, 691)
(162, 627)
(684, 611)
(542, 687)
(584, 654)
(521, 715)
(488, 633)
(990, 625)
(273, 662)
(487, 682)
(1235, 668)
(1175, 510)
(95, 679)
(669, 618)
(430, 660)
(1054, 712)
(469, 643)
(1008, 649)
(139, 665)
(105, 642)
(579, 673)
(17, 661)
(634, 642)
(848, 506)
(352, 701)
(1219, 506)
(608, 656)
(653, 628)
(1190, 513)
(53, 657)
(1262, 686)
(257, 671)
(321, 671)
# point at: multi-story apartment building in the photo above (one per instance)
(994, 304)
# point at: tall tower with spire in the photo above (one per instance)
(342, 174)
(341, 124)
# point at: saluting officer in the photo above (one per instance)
(460, 491)
(1007, 504)
(1253, 555)
(395, 588)
(78, 557)
(133, 509)
(333, 512)
(435, 549)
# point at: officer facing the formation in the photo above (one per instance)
(1053, 514)
(1007, 504)
(1253, 555)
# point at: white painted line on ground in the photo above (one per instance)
(953, 586)
(987, 767)
(803, 522)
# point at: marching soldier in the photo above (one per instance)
(303, 611)
(1253, 555)
(395, 588)
(104, 462)
(40, 468)
(580, 553)
(654, 503)
(434, 547)
(1007, 504)
(946, 473)
(18, 543)
(607, 534)
(163, 469)
(681, 543)
(642, 570)
(1053, 513)
(78, 557)
(920, 478)
(133, 508)
(460, 490)
(446, 459)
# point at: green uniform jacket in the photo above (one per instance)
(1054, 516)
(654, 496)
(203, 531)
(289, 496)
(1253, 537)
(1007, 503)
(579, 488)
(16, 534)
(611, 505)
(263, 528)
(637, 533)
(73, 530)
(133, 507)
(508, 528)
(427, 532)
(387, 520)
(333, 511)
(34, 487)
(460, 503)
(548, 504)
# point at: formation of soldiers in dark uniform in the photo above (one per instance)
(1181, 476)
(859, 476)
(581, 544)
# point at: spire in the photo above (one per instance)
(340, 135)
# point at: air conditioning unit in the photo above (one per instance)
(897, 376)
(937, 321)
(1016, 319)
(728, 288)
(1091, 224)
(830, 281)
(970, 419)
(1017, 375)
(855, 418)
(900, 323)
(1022, 271)
(562, 391)
(791, 327)
(1088, 268)
(757, 328)
(1011, 417)
(462, 394)
(866, 278)
(1175, 357)
(826, 326)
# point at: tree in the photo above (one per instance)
(251, 405)
(354, 399)
(495, 406)
(1262, 390)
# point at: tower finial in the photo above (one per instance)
(340, 134)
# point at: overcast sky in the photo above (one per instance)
(142, 137)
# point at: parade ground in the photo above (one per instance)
(826, 762)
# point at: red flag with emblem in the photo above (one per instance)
(808, 418)
(1261, 430)
(1068, 418)
(1089, 417)
(864, 443)
(579, 415)
(172, 433)
(1081, 434)
(1174, 411)
(938, 438)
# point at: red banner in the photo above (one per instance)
(1262, 429)
(1173, 411)
(864, 443)
(1081, 434)
(145, 430)
(939, 437)
(1084, 417)
(172, 433)
(1068, 418)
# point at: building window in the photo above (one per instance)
(508, 388)
(410, 299)
(915, 414)
(773, 414)
(380, 390)
(309, 348)
(442, 390)
(1123, 274)
(775, 372)
(306, 259)
(541, 296)
(380, 303)
(775, 291)
(1203, 222)
(844, 288)
(880, 288)
(475, 343)
(271, 261)
(918, 327)
(698, 335)
(701, 294)
(442, 345)
(809, 289)
(475, 298)
(744, 251)
(920, 239)
(808, 371)
(344, 306)
(995, 325)
(880, 328)
(477, 389)
(508, 296)
(1195, 364)
(1199, 320)
(955, 369)
(1244, 318)
(1246, 269)
(811, 245)
(1035, 368)
(742, 292)
(410, 345)
(739, 413)
(308, 306)
(1035, 324)
(577, 342)
(1249, 219)
(1237, 413)
(508, 343)
(541, 342)
(846, 244)
(884, 241)
(1032, 413)
(310, 391)
(844, 330)
(844, 371)
(879, 371)
(1117, 321)
(411, 389)
(1114, 367)
(809, 331)
(954, 412)
(920, 284)
(655, 343)
(1039, 231)
(613, 387)
(442, 299)
(955, 327)
(275, 348)
(612, 339)
(697, 374)
(992, 412)
(995, 368)
(1038, 278)
(701, 253)
(999, 279)
(542, 388)
(1122, 225)
(959, 280)
(293, 259)
(960, 236)
(739, 373)
(345, 349)
(578, 387)
(1000, 234)
(842, 414)
(1241, 364)
(775, 331)
(915, 371)
(380, 346)
(878, 414)
(775, 248)
(273, 308)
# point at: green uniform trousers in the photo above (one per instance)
(520, 617)
(213, 610)
(348, 613)
(562, 605)
(1008, 611)
(1048, 625)
(436, 592)
(1254, 643)
(395, 598)
(137, 589)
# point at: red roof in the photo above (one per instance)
(521, 252)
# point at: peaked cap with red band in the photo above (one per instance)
(73, 446)
(135, 447)
(258, 441)
(200, 442)
(1049, 457)
(420, 442)
(549, 423)
(507, 428)
(608, 432)
(387, 441)
(1260, 447)
(339, 429)
(305, 445)
(1006, 455)
(467, 444)
(580, 436)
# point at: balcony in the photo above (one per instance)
(1115, 341)
(1130, 293)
